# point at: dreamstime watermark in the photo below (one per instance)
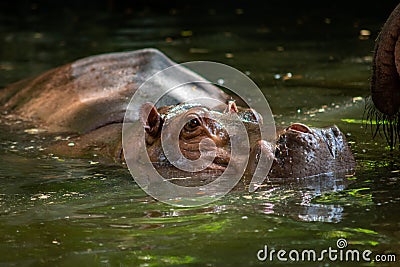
(338, 254)
(195, 84)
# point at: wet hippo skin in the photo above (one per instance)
(299, 151)
(87, 100)
(91, 92)
(385, 81)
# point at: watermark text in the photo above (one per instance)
(338, 253)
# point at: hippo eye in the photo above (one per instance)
(193, 123)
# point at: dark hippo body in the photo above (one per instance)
(87, 99)
(385, 80)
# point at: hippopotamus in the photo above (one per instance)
(385, 80)
(85, 101)
(298, 150)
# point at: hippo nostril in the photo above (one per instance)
(299, 127)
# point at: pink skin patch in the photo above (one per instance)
(231, 107)
(299, 127)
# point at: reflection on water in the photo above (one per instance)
(313, 65)
(294, 198)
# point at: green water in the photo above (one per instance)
(69, 212)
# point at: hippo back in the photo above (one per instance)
(95, 91)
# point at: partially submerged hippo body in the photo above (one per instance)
(87, 100)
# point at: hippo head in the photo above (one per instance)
(298, 151)
(201, 131)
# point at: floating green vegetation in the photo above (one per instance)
(355, 192)
(357, 121)
(352, 234)
(362, 230)
(373, 164)
(210, 227)
(336, 234)
(365, 242)
(355, 196)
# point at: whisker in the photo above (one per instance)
(380, 122)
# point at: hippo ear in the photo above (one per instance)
(231, 107)
(150, 118)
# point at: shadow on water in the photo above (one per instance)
(312, 64)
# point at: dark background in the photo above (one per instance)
(73, 17)
(50, 33)
(284, 8)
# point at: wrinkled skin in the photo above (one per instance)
(87, 99)
(302, 151)
(299, 151)
(385, 80)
